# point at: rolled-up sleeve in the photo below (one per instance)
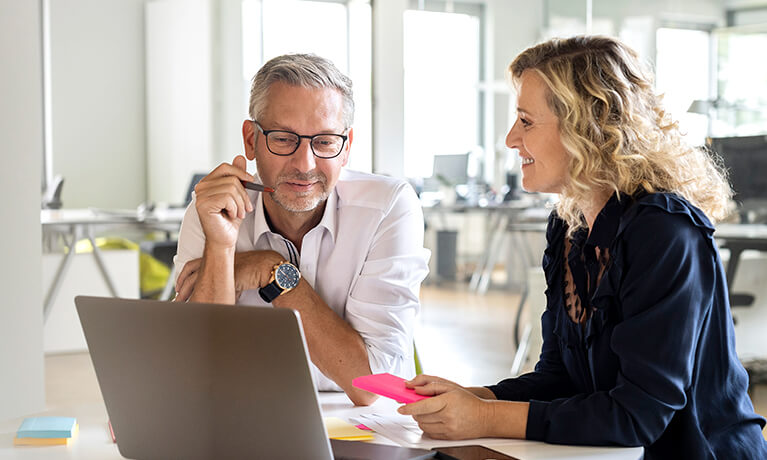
(191, 239)
(665, 297)
(384, 301)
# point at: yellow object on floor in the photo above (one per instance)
(153, 274)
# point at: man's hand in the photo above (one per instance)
(252, 270)
(453, 413)
(222, 202)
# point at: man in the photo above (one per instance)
(343, 248)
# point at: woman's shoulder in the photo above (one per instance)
(664, 216)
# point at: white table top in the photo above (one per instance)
(742, 231)
(110, 216)
(94, 442)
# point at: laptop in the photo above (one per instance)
(204, 381)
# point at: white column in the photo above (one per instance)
(388, 88)
(22, 389)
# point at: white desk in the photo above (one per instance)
(94, 442)
(75, 224)
(503, 220)
(738, 238)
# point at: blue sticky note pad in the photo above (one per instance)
(47, 427)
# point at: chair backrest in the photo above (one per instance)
(197, 177)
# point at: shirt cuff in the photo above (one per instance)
(536, 420)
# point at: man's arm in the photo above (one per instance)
(376, 333)
(384, 300)
(335, 348)
(215, 283)
(221, 203)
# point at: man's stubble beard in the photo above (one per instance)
(305, 202)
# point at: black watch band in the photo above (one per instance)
(270, 292)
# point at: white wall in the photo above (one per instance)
(21, 151)
(513, 26)
(179, 96)
(97, 85)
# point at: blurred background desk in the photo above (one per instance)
(62, 228)
(478, 237)
(747, 247)
(738, 238)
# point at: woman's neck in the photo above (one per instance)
(593, 207)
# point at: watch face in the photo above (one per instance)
(287, 276)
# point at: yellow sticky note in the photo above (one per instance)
(338, 429)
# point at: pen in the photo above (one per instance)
(256, 187)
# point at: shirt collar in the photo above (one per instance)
(328, 216)
(259, 225)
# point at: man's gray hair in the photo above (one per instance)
(304, 70)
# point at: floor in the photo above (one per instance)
(461, 336)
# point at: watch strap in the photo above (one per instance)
(270, 292)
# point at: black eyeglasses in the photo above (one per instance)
(285, 143)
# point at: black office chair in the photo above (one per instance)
(165, 250)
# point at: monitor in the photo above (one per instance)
(451, 169)
(746, 161)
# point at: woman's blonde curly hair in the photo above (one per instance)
(615, 129)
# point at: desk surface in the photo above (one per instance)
(741, 231)
(49, 217)
(94, 442)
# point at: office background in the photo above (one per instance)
(127, 99)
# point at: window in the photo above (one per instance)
(339, 31)
(741, 82)
(442, 62)
(683, 69)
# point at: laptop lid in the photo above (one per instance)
(202, 381)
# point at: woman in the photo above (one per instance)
(638, 341)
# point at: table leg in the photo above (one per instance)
(101, 265)
(57, 279)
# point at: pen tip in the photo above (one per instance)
(268, 189)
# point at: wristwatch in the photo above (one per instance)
(285, 276)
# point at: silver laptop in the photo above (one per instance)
(204, 381)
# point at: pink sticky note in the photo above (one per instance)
(362, 427)
(388, 385)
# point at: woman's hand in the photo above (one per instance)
(453, 412)
(424, 384)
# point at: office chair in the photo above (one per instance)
(165, 250)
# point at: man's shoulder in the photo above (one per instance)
(356, 188)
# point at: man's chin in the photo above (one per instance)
(299, 203)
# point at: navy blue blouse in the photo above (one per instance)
(654, 363)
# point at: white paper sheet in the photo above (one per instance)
(403, 430)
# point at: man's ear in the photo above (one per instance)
(249, 137)
(347, 147)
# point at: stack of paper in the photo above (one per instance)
(46, 431)
(338, 429)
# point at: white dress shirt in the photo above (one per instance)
(365, 259)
